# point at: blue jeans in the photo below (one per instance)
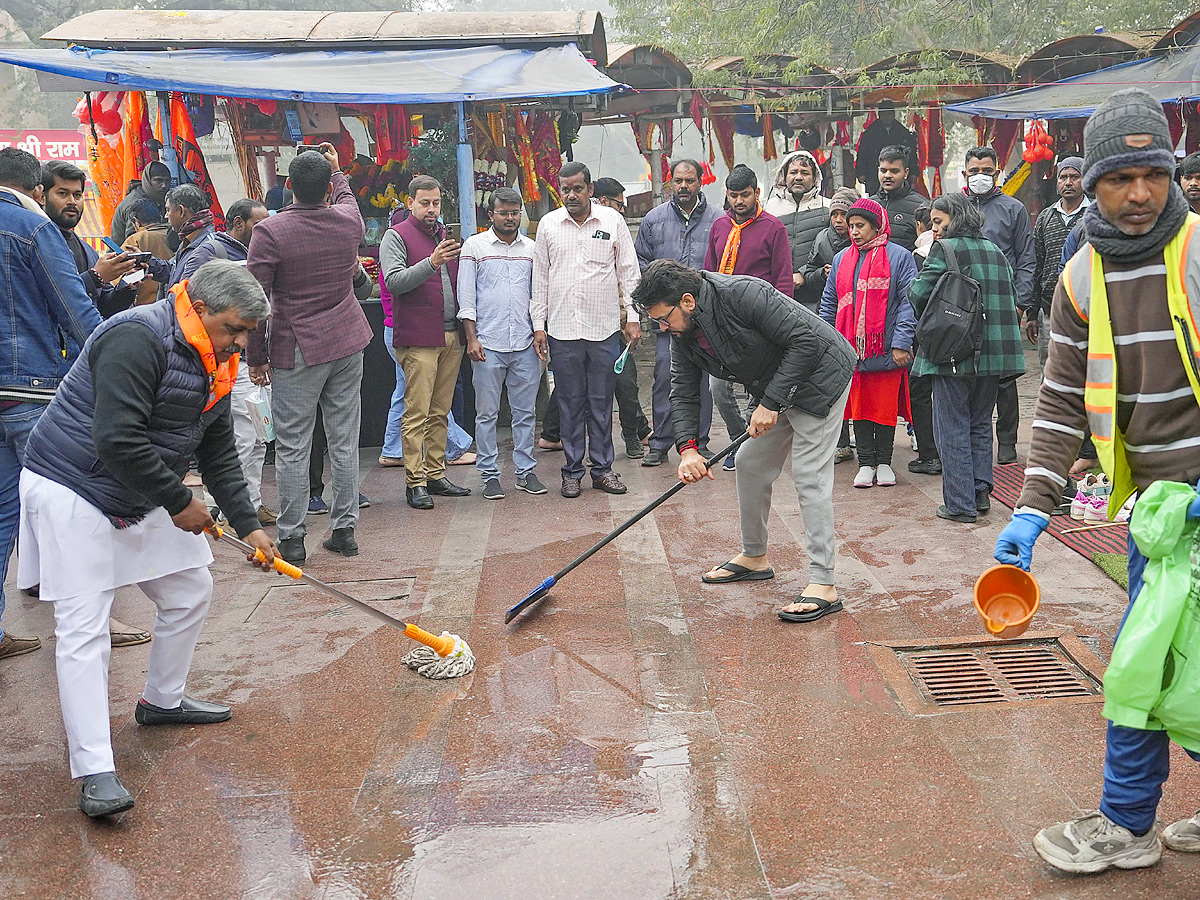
(15, 425)
(458, 441)
(962, 431)
(1136, 762)
(521, 372)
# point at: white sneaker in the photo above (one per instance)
(865, 477)
(1183, 836)
(1093, 843)
(885, 476)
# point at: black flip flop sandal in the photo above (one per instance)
(824, 608)
(740, 573)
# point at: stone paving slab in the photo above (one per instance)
(638, 735)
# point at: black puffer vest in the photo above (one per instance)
(61, 446)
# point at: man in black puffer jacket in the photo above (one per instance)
(103, 503)
(796, 368)
(897, 197)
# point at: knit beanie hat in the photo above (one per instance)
(843, 199)
(1109, 141)
(868, 209)
(1071, 162)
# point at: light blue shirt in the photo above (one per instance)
(495, 286)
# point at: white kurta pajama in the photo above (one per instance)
(80, 559)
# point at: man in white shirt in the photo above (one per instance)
(583, 264)
(495, 283)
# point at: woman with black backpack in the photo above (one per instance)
(966, 270)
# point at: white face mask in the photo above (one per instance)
(981, 184)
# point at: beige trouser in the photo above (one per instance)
(430, 374)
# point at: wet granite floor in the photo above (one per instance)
(639, 735)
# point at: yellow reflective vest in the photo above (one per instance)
(1083, 280)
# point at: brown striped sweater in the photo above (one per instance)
(1156, 410)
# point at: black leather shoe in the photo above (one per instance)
(925, 467)
(418, 497)
(341, 540)
(444, 487)
(944, 513)
(292, 550)
(103, 794)
(654, 457)
(983, 500)
(189, 712)
(1006, 455)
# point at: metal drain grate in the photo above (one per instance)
(984, 674)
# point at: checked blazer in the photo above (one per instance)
(982, 260)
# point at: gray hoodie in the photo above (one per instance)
(804, 219)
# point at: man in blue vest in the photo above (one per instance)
(104, 505)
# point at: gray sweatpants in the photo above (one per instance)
(812, 443)
(295, 394)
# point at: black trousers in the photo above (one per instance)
(920, 398)
(874, 442)
(316, 459)
(1008, 413)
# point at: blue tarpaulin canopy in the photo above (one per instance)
(333, 76)
(1173, 76)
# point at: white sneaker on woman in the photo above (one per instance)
(865, 477)
(885, 476)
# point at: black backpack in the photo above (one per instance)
(951, 328)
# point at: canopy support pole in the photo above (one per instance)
(466, 174)
(168, 139)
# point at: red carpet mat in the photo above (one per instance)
(1114, 539)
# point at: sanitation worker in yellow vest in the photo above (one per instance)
(1123, 344)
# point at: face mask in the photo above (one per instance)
(981, 184)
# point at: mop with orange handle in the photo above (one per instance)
(441, 656)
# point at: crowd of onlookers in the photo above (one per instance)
(484, 316)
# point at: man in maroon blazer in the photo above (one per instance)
(305, 257)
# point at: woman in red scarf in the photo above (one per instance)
(866, 300)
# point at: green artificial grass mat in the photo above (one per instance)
(1115, 566)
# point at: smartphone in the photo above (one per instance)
(302, 148)
(140, 256)
(112, 245)
(454, 232)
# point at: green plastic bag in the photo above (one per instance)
(1153, 680)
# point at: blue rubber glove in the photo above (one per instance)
(1193, 512)
(1014, 547)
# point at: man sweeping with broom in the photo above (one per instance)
(103, 503)
(798, 370)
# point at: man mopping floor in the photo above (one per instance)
(797, 368)
(103, 504)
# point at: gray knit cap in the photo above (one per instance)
(1105, 136)
(1071, 162)
(843, 198)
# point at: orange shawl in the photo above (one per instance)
(732, 243)
(220, 377)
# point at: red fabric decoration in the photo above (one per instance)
(1174, 121)
(1191, 115)
(1005, 138)
(723, 131)
(937, 137)
(696, 109)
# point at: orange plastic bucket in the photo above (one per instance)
(1006, 598)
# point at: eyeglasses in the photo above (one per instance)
(665, 320)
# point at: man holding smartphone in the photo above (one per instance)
(63, 184)
(419, 263)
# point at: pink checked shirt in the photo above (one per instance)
(581, 273)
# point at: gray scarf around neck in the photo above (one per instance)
(1116, 246)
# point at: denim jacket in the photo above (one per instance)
(44, 300)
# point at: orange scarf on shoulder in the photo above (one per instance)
(732, 243)
(220, 377)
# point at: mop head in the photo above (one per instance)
(457, 663)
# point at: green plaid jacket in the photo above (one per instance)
(981, 259)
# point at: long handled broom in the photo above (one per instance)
(544, 588)
(441, 656)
